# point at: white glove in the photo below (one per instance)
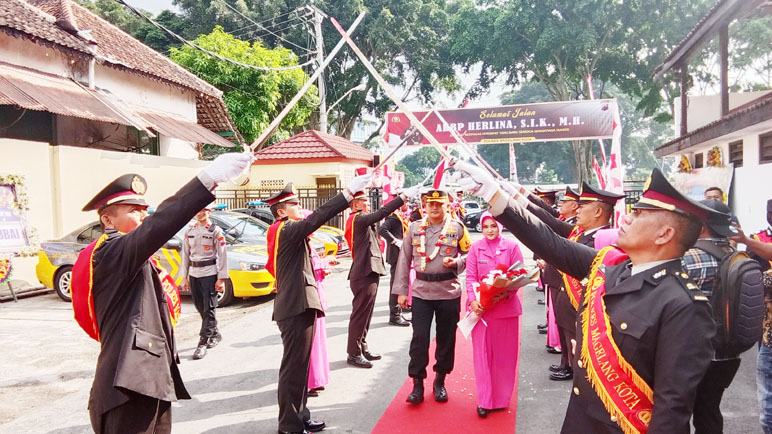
(412, 192)
(397, 243)
(359, 183)
(508, 187)
(486, 185)
(228, 166)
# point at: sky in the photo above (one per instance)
(154, 6)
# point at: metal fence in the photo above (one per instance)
(310, 198)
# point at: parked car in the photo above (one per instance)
(247, 276)
(473, 213)
(251, 230)
(471, 207)
(325, 232)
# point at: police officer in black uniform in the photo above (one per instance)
(297, 301)
(367, 267)
(595, 210)
(136, 375)
(656, 318)
(393, 230)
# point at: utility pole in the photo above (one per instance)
(318, 17)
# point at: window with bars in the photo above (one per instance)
(736, 153)
(765, 148)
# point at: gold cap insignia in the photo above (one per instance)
(436, 194)
(137, 186)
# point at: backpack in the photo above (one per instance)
(737, 300)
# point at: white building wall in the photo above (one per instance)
(704, 109)
(134, 90)
(61, 179)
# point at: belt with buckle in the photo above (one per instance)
(435, 277)
(203, 263)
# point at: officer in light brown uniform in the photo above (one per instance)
(432, 245)
(204, 270)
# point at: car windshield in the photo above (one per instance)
(241, 225)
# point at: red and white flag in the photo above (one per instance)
(512, 163)
(598, 173)
(616, 170)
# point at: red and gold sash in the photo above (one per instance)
(273, 245)
(348, 232)
(171, 291)
(626, 396)
(82, 290)
(764, 237)
(573, 285)
(404, 221)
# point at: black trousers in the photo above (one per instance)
(395, 310)
(297, 335)
(707, 417)
(141, 414)
(446, 314)
(205, 299)
(362, 306)
(566, 335)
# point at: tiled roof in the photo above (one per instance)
(119, 49)
(36, 20)
(21, 19)
(315, 144)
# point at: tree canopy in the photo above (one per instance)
(253, 97)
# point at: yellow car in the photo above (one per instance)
(247, 276)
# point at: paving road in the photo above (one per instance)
(48, 363)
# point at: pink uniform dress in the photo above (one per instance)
(319, 366)
(495, 338)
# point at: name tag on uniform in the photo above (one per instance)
(482, 261)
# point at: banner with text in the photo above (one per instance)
(565, 120)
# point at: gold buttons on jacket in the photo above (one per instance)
(150, 345)
(579, 364)
(623, 326)
(576, 390)
(613, 418)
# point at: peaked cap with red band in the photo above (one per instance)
(570, 194)
(589, 194)
(288, 194)
(360, 195)
(546, 193)
(658, 193)
(127, 189)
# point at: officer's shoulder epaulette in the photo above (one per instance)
(687, 284)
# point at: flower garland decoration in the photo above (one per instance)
(5, 269)
(22, 206)
(422, 240)
(684, 166)
(714, 157)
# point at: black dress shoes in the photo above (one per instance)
(399, 321)
(553, 350)
(214, 340)
(564, 375)
(371, 356)
(483, 413)
(359, 361)
(200, 352)
(540, 301)
(314, 425)
(440, 393)
(294, 432)
(417, 395)
(407, 309)
(542, 328)
(556, 368)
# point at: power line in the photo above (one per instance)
(257, 24)
(255, 34)
(204, 50)
(250, 28)
(270, 19)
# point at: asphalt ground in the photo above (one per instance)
(47, 366)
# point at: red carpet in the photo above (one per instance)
(459, 414)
